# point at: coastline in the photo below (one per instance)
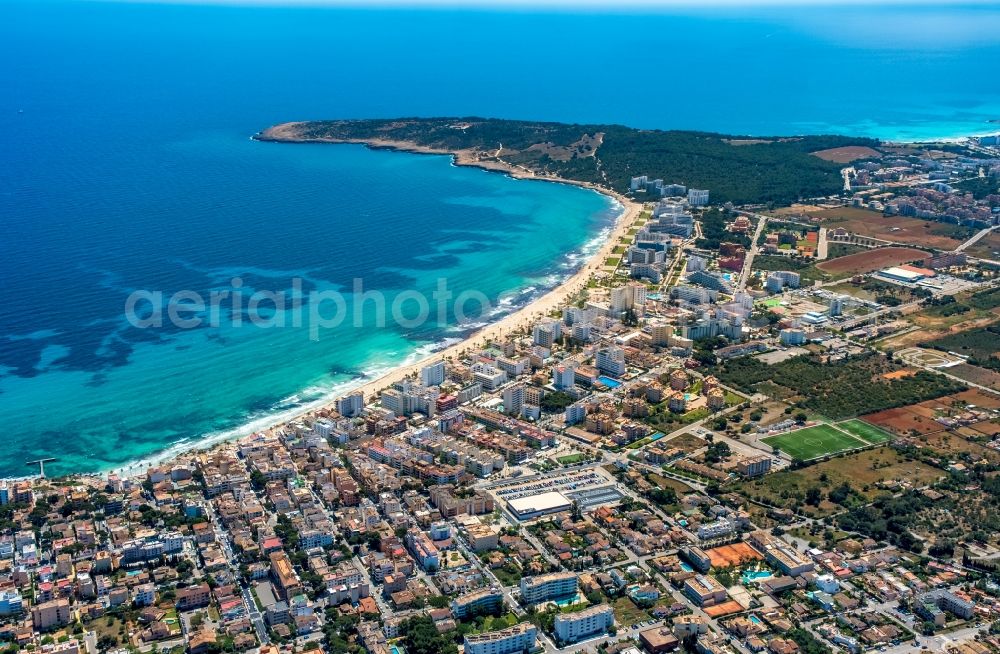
(423, 354)
(520, 318)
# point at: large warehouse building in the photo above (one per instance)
(532, 506)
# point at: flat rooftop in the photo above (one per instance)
(902, 273)
(541, 503)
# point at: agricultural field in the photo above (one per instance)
(899, 229)
(865, 431)
(808, 271)
(847, 153)
(980, 345)
(835, 249)
(903, 421)
(627, 613)
(988, 247)
(989, 428)
(949, 316)
(977, 375)
(678, 487)
(841, 390)
(957, 444)
(814, 442)
(918, 420)
(978, 398)
(862, 471)
(870, 260)
(686, 442)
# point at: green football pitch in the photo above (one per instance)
(865, 431)
(813, 442)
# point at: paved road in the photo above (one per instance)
(821, 245)
(851, 324)
(941, 371)
(846, 174)
(748, 262)
(222, 536)
(975, 238)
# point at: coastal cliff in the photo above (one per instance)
(740, 169)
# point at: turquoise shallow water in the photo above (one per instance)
(83, 385)
(126, 164)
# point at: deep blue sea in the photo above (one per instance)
(126, 163)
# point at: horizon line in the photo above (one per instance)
(567, 5)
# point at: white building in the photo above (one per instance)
(490, 378)
(577, 315)
(432, 374)
(694, 294)
(546, 333)
(611, 361)
(717, 529)
(564, 377)
(11, 602)
(519, 638)
(542, 588)
(828, 584)
(695, 263)
(576, 412)
(513, 398)
(514, 367)
(779, 279)
(697, 197)
(351, 405)
(582, 332)
(792, 336)
(571, 627)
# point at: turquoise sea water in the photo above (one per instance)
(126, 164)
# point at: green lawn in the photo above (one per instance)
(813, 442)
(865, 431)
(627, 613)
(571, 459)
(508, 575)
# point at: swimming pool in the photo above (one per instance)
(686, 568)
(750, 576)
(567, 601)
(754, 619)
(609, 382)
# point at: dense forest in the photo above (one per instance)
(888, 519)
(737, 169)
(842, 389)
(714, 233)
(981, 187)
(980, 345)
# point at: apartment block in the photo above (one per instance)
(542, 588)
(519, 638)
(571, 627)
(480, 602)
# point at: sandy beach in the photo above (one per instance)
(521, 319)
(525, 317)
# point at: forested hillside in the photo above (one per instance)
(733, 168)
